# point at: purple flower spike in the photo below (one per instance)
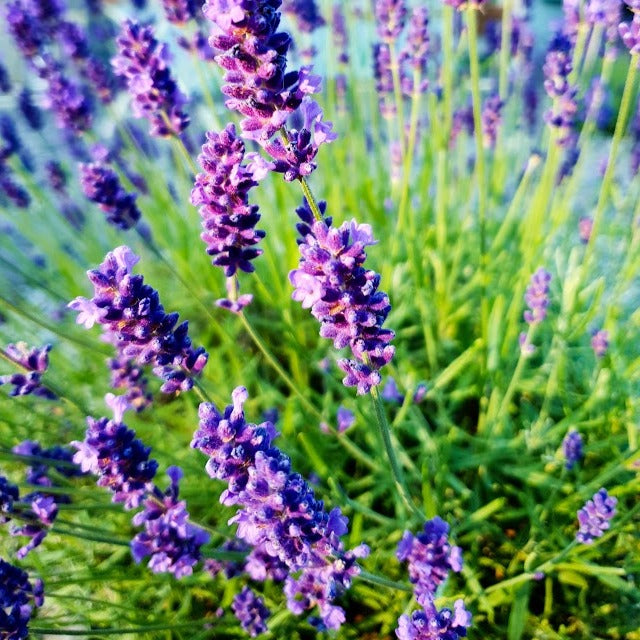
(254, 55)
(180, 11)
(306, 14)
(34, 362)
(537, 297)
(600, 342)
(630, 33)
(340, 37)
(417, 47)
(144, 64)
(572, 448)
(431, 624)
(101, 185)
(111, 451)
(430, 557)
(345, 419)
(390, 18)
(222, 193)
(390, 392)
(168, 537)
(135, 321)
(277, 510)
(491, 119)
(251, 612)
(594, 517)
(343, 296)
(17, 599)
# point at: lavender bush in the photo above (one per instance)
(359, 279)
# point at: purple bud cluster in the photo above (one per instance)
(306, 14)
(384, 79)
(30, 111)
(417, 47)
(630, 33)
(180, 11)
(605, 13)
(11, 190)
(557, 68)
(343, 296)
(101, 185)
(431, 624)
(34, 361)
(126, 375)
(251, 612)
(537, 297)
(144, 64)
(36, 513)
(168, 537)
(277, 509)
(38, 472)
(111, 451)
(594, 517)
(491, 119)
(222, 192)
(430, 558)
(134, 320)
(600, 342)
(339, 34)
(390, 18)
(572, 448)
(17, 599)
(25, 28)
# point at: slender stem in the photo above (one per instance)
(313, 205)
(447, 65)
(397, 92)
(615, 143)
(113, 631)
(276, 365)
(185, 154)
(515, 378)
(396, 469)
(381, 581)
(505, 48)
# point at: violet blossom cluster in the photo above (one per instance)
(251, 611)
(390, 18)
(121, 461)
(277, 509)
(125, 374)
(630, 33)
(144, 63)
(605, 13)
(37, 473)
(430, 624)
(306, 14)
(101, 185)
(222, 193)
(594, 517)
(35, 512)
(557, 67)
(258, 85)
(180, 11)
(34, 362)
(430, 557)
(18, 597)
(572, 448)
(491, 119)
(600, 342)
(168, 537)
(537, 298)
(343, 296)
(134, 320)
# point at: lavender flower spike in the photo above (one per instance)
(431, 624)
(222, 192)
(101, 185)
(34, 362)
(390, 18)
(343, 296)
(135, 321)
(111, 451)
(430, 557)
(594, 517)
(277, 510)
(144, 64)
(168, 537)
(251, 612)
(572, 448)
(537, 297)
(17, 599)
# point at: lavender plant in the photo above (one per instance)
(435, 314)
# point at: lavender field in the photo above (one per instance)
(320, 319)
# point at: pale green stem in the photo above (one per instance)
(615, 143)
(447, 66)
(397, 92)
(505, 48)
(381, 581)
(276, 365)
(396, 469)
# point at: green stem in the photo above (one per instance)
(117, 630)
(505, 48)
(276, 365)
(313, 205)
(447, 66)
(397, 93)
(381, 581)
(396, 470)
(615, 143)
